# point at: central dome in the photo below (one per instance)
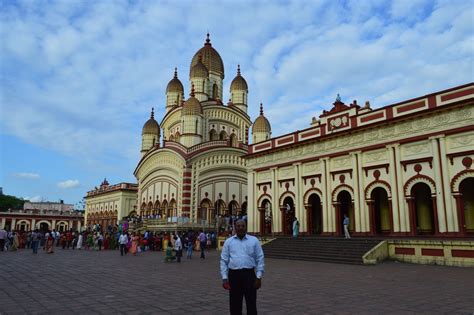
(210, 58)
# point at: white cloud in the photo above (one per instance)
(27, 175)
(80, 79)
(70, 183)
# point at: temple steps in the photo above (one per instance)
(331, 250)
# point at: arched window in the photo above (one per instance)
(196, 129)
(233, 140)
(213, 135)
(223, 135)
(215, 91)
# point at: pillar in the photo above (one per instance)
(460, 212)
(13, 226)
(356, 201)
(328, 213)
(435, 213)
(2, 225)
(396, 199)
(412, 213)
(439, 187)
(450, 213)
(276, 213)
(252, 203)
(33, 224)
(370, 204)
(53, 224)
(300, 210)
(336, 211)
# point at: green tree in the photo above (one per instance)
(7, 202)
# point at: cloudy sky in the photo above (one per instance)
(78, 78)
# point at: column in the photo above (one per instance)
(404, 218)
(356, 201)
(450, 212)
(53, 224)
(439, 187)
(276, 214)
(328, 210)
(394, 189)
(460, 210)
(252, 203)
(370, 204)
(79, 225)
(411, 209)
(300, 211)
(33, 224)
(364, 216)
(2, 225)
(13, 226)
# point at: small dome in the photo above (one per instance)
(192, 106)
(210, 58)
(175, 84)
(151, 126)
(261, 124)
(199, 70)
(239, 82)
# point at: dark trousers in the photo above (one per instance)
(203, 247)
(34, 246)
(123, 249)
(242, 284)
(2, 244)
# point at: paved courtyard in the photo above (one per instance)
(85, 282)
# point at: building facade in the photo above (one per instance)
(198, 172)
(108, 204)
(401, 170)
(43, 216)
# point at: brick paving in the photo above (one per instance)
(82, 282)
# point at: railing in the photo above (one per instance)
(209, 144)
(112, 188)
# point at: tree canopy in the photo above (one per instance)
(7, 202)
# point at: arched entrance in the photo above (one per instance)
(44, 227)
(382, 223)
(288, 211)
(466, 188)
(204, 211)
(423, 209)
(344, 207)
(266, 217)
(315, 214)
(172, 209)
(243, 209)
(233, 208)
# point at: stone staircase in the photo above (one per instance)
(322, 249)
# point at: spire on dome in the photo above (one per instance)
(192, 90)
(152, 116)
(238, 70)
(338, 98)
(175, 72)
(208, 40)
(261, 109)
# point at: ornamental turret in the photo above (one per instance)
(191, 121)
(174, 92)
(150, 134)
(239, 91)
(261, 129)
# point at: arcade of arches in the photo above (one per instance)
(411, 175)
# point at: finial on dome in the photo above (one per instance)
(152, 116)
(208, 40)
(338, 98)
(192, 90)
(175, 72)
(261, 109)
(238, 70)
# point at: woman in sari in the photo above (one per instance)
(169, 254)
(79, 241)
(49, 243)
(134, 247)
(15, 242)
(90, 240)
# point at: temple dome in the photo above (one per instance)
(210, 58)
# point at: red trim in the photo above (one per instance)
(286, 140)
(457, 95)
(410, 107)
(442, 184)
(334, 173)
(432, 252)
(451, 156)
(372, 117)
(263, 146)
(187, 174)
(389, 113)
(432, 101)
(414, 161)
(404, 251)
(309, 134)
(186, 194)
(186, 180)
(462, 253)
(374, 167)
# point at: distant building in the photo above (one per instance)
(108, 204)
(43, 215)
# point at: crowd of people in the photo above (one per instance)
(116, 238)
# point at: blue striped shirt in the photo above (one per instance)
(239, 254)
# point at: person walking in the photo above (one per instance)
(123, 241)
(242, 266)
(202, 243)
(296, 227)
(79, 241)
(346, 226)
(178, 247)
(100, 240)
(35, 237)
(3, 236)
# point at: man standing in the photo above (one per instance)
(3, 236)
(178, 247)
(242, 268)
(346, 226)
(202, 241)
(35, 236)
(123, 241)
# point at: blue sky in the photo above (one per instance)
(78, 78)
